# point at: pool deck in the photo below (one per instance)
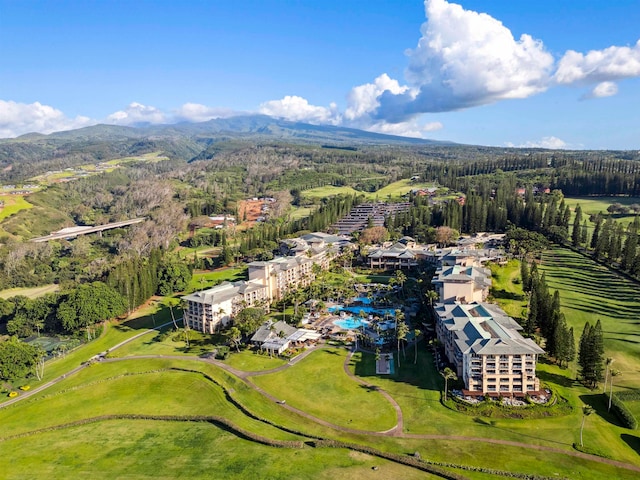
(384, 366)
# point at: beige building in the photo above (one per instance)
(214, 308)
(485, 346)
(460, 283)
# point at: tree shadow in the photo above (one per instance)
(600, 403)
(502, 293)
(561, 380)
(632, 441)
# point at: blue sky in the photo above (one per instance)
(492, 72)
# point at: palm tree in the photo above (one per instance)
(586, 411)
(400, 278)
(431, 296)
(173, 302)
(416, 334)
(614, 373)
(401, 334)
(448, 374)
(608, 363)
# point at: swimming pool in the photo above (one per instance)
(350, 323)
(368, 310)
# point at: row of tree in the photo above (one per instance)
(545, 316)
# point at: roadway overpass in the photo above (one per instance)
(73, 232)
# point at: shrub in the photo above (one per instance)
(25, 387)
(13, 394)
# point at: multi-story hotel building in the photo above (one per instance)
(485, 346)
(214, 308)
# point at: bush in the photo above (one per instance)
(25, 387)
(13, 394)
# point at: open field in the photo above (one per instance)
(594, 205)
(329, 191)
(180, 450)
(589, 292)
(31, 292)
(394, 190)
(174, 387)
(202, 280)
(332, 396)
(13, 204)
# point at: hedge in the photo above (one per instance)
(623, 413)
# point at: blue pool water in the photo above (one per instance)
(363, 300)
(350, 323)
(356, 310)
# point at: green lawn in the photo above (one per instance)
(203, 280)
(250, 361)
(13, 204)
(329, 191)
(397, 189)
(506, 289)
(31, 292)
(589, 292)
(394, 191)
(594, 205)
(319, 386)
(169, 450)
(296, 213)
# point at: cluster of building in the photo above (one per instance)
(406, 253)
(213, 309)
(482, 342)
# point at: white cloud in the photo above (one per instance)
(613, 63)
(20, 118)
(405, 129)
(137, 113)
(195, 112)
(298, 109)
(604, 89)
(553, 143)
(464, 59)
(364, 99)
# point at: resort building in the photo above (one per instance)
(276, 337)
(488, 352)
(403, 254)
(462, 284)
(214, 308)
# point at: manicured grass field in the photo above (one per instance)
(13, 204)
(506, 289)
(297, 213)
(31, 292)
(329, 191)
(589, 292)
(319, 386)
(201, 281)
(249, 361)
(394, 190)
(169, 450)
